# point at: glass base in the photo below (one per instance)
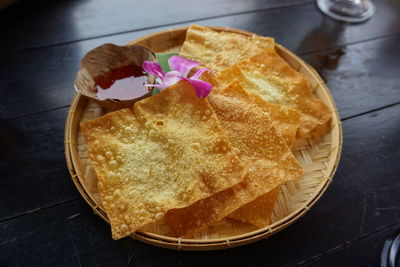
(347, 10)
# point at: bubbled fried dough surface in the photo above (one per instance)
(219, 50)
(273, 79)
(169, 155)
(268, 161)
(285, 120)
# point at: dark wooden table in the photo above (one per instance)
(44, 220)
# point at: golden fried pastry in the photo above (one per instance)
(219, 50)
(268, 161)
(285, 120)
(168, 154)
(272, 78)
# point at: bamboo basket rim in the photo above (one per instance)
(217, 243)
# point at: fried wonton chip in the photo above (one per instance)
(259, 211)
(219, 50)
(268, 160)
(169, 155)
(285, 120)
(272, 78)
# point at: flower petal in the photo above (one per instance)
(172, 80)
(198, 73)
(172, 73)
(153, 68)
(181, 64)
(202, 88)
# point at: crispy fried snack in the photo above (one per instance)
(169, 154)
(268, 160)
(272, 78)
(219, 50)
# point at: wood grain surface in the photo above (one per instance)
(44, 221)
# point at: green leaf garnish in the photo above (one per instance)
(155, 91)
(162, 58)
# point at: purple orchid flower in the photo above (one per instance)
(180, 69)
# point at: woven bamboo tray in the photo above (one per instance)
(318, 156)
